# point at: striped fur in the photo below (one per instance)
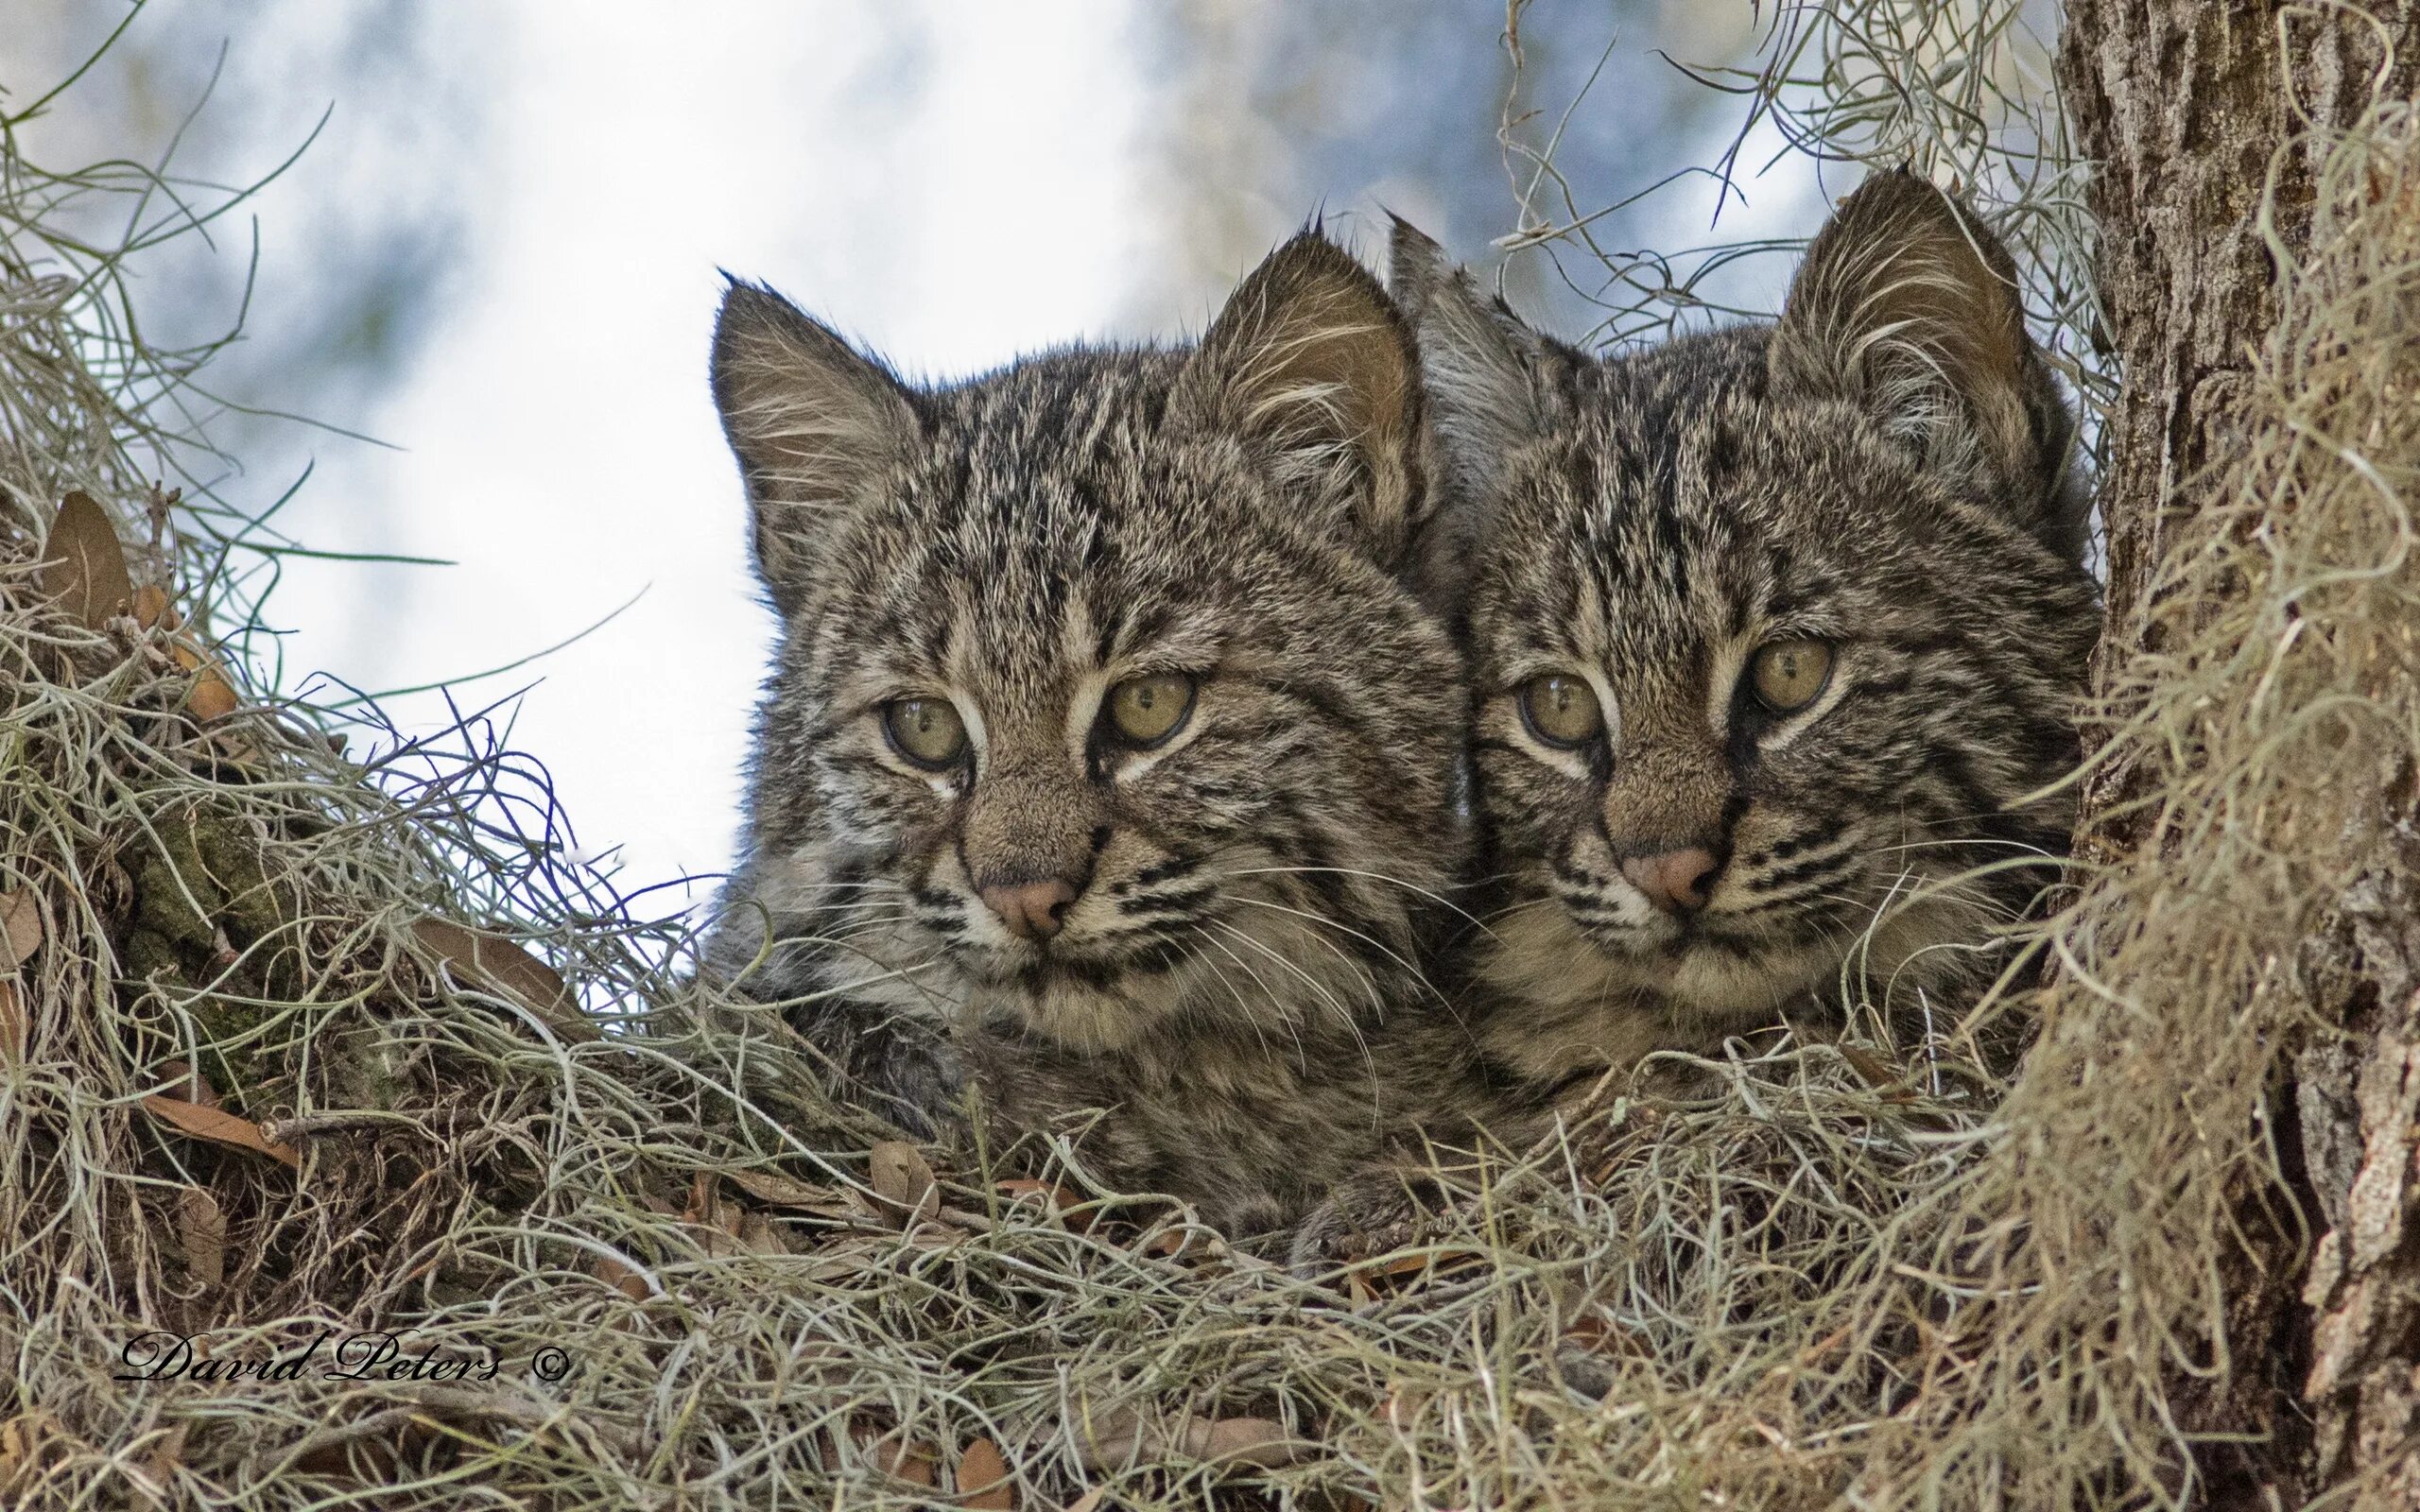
(1885, 470)
(1253, 892)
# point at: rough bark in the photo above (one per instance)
(2181, 105)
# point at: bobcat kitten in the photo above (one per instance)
(1105, 758)
(1774, 632)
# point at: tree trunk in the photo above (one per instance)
(2181, 105)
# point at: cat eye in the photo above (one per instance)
(1561, 711)
(1146, 711)
(1789, 675)
(925, 730)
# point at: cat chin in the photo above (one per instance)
(1073, 1014)
(1580, 1000)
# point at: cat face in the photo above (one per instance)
(1099, 708)
(1774, 633)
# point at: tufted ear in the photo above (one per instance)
(816, 426)
(1907, 304)
(1309, 364)
(1486, 373)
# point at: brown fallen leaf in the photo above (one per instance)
(983, 1479)
(179, 1079)
(1599, 1334)
(782, 1192)
(20, 927)
(84, 563)
(910, 1460)
(151, 607)
(202, 1227)
(502, 966)
(621, 1277)
(1877, 1073)
(1090, 1500)
(219, 1127)
(903, 1182)
(211, 696)
(166, 1457)
(26, 1442)
(1184, 1244)
(758, 1236)
(1119, 1438)
(706, 1207)
(722, 1224)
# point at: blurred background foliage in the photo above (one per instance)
(497, 255)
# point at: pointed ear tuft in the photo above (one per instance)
(816, 426)
(1487, 373)
(1909, 305)
(1309, 364)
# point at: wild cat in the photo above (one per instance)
(1106, 759)
(1774, 632)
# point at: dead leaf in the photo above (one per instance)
(719, 1220)
(84, 563)
(166, 1456)
(758, 1236)
(219, 1127)
(202, 1227)
(177, 1079)
(1243, 1441)
(983, 1478)
(1599, 1334)
(25, 1443)
(20, 927)
(621, 1277)
(782, 1192)
(1119, 1438)
(1402, 1408)
(706, 1207)
(504, 966)
(151, 607)
(211, 696)
(1090, 1500)
(913, 1461)
(1877, 1073)
(1185, 1243)
(903, 1182)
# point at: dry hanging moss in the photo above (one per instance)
(300, 1047)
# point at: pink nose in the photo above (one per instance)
(1675, 880)
(1030, 910)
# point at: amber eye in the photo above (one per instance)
(1561, 711)
(1146, 711)
(1789, 675)
(925, 730)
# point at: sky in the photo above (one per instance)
(501, 257)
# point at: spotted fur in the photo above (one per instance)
(1886, 470)
(1252, 894)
